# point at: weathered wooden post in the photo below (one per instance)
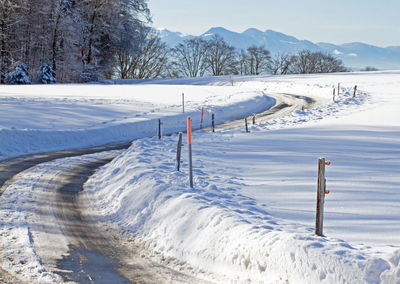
(213, 122)
(189, 135)
(178, 152)
(355, 90)
(201, 120)
(321, 191)
(245, 123)
(338, 89)
(254, 119)
(159, 129)
(183, 102)
(334, 93)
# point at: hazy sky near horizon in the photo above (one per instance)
(374, 22)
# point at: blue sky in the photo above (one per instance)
(336, 21)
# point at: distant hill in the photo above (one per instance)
(355, 55)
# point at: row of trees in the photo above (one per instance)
(84, 40)
(80, 39)
(199, 57)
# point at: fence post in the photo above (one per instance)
(334, 93)
(178, 152)
(321, 191)
(254, 119)
(355, 90)
(338, 89)
(201, 120)
(189, 135)
(245, 123)
(183, 102)
(159, 129)
(213, 122)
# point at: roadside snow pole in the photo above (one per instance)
(254, 119)
(183, 102)
(189, 136)
(338, 89)
(159, 129)
(334, 93)
(178, 152)
(245, 123)
(355, 90)
(321, 196)
(231, 80)
(213, 122)
(202, 115)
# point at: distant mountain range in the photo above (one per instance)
(355, 55)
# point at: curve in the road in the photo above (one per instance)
(93, 254)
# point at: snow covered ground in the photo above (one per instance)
(251, 212)
(41, 118)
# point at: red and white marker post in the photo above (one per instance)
(202, 115)
(231, 80)
(189, 135)
(321, 192)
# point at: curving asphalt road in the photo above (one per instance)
(96, 255)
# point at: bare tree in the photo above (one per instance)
(149, 60)
(190, 57)
(220, 57)
(279, 64)
(307, 62)
(258, 59)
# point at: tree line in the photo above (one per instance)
(86, 40)
(78, 39)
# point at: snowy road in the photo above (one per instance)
(74, 248)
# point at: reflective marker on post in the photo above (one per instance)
(189, 135)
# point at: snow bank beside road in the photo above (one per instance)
(56, 117)
(250, 216)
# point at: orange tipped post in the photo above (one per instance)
(328, 163)
(189, 135)
(202, 115)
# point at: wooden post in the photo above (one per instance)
(254, 119)
(355, 90)
(245, 123)
(338, 89)
(178, 152)
(159, 129)
(189, 135)
(213, 122)
(334, 93)
(183, 102)
(321, 190)
(202, 115)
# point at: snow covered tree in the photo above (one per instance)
(80, 38)
(46, 74)
(19, 76)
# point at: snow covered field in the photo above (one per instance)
(251, 212)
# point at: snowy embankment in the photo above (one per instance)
(43, 118)
(250, 214)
